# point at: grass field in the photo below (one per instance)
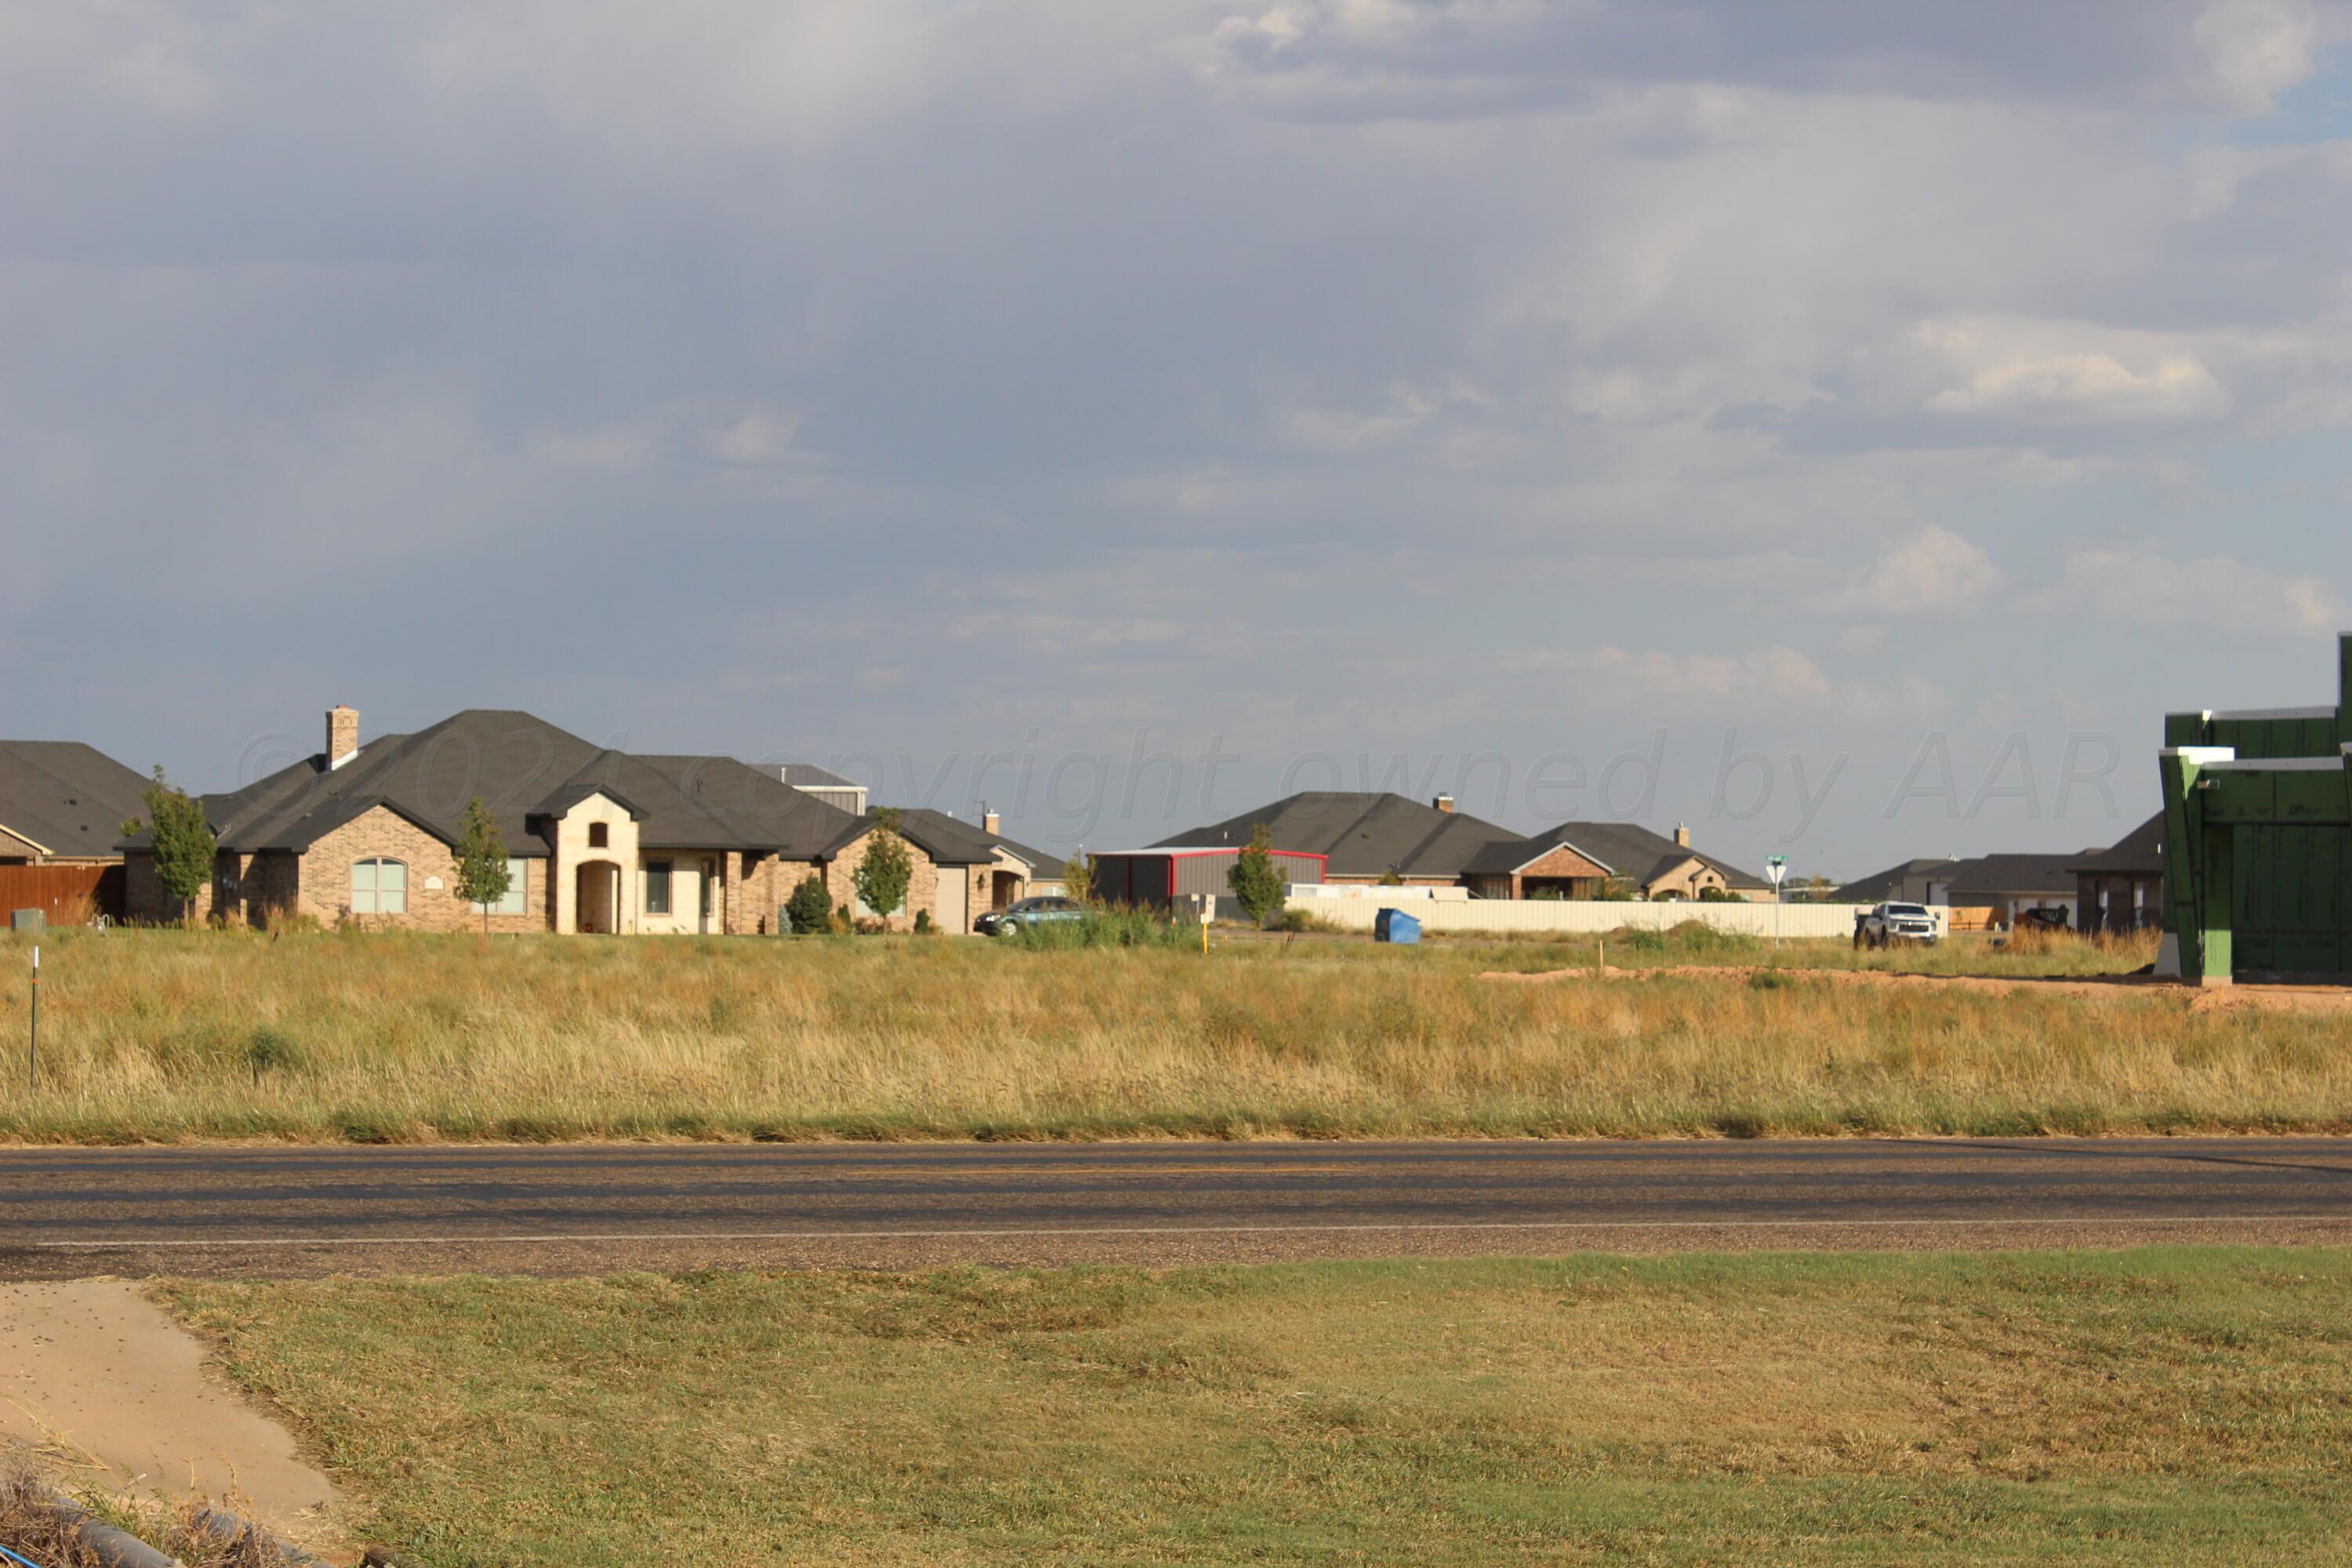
(2164, 1407)
(174, 1035)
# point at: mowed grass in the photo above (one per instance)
(178, 1035)
(2160, 1406)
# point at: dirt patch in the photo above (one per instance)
(2112, 988)
(104, 1388)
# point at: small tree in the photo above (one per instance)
(884, 876)
(1255, 879)
(481, 869)
(1078, 878)
(184, 845)
(810, 907)
(1389, 879)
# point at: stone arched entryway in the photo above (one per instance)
(597, 909)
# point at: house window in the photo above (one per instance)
(599, 836)
(656, 887)
(518, 899)
(378, 888)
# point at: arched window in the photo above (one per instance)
(378, 888)
(599, 836)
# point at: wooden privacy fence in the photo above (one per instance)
(68, 895)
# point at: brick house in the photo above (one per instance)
(599, 840)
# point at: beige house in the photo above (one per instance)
(600, 841)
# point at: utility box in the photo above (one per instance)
(1395, 925)
(34, 921)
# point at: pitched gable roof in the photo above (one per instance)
(1881, 886)
(1631, 850)
(2139, 852)
(946, 840)
(525, 770)
(65, 798)
(2034, 874)
(1505, 856)
(1364, 834)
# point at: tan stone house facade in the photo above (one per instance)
(600, 841)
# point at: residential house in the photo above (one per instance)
(1651, 865)
(64, 803)
(599, 840)
(2121, 887)
(1370, 837)
(1364, 837)
(2009, 885)
(62, 807)
(1923, 881)
(2004, 886)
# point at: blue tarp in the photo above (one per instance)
(1395, 925)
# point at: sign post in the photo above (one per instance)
(33, 1042)
(1776, 870)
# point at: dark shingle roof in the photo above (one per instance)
(948, 842)
(1883, 885)
(524, 769)
(1508, 855)
(2139, 852)
(1044, 862)
(1970, 880)
(1629, 849)
(70, 799)
(1364, 834)
(2013, 874)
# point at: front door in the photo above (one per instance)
(709, 876)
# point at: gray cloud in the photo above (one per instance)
(906, 378)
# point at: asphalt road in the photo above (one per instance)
(582, 1208)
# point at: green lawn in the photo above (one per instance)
(2156, 1406)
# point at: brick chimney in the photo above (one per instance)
(1443, 803)
(990, 822)
(342, 734)
(1682, 835)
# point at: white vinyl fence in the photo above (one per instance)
(1591, 918)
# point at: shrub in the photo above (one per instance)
(1255, 879)
(1123, 926)
(924, 925)
(810, 907)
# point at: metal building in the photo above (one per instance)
(1153, 878)
(2258, 840)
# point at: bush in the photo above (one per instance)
(924, 925)
(810, 907)
(1690, 937)
(1123, 926)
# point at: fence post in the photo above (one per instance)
(33, 1040)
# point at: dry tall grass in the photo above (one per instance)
(171, 1035)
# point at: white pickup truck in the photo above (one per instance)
(1889, 923)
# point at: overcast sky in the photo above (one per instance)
(1465, 395)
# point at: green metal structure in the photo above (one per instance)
(2258, 840)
